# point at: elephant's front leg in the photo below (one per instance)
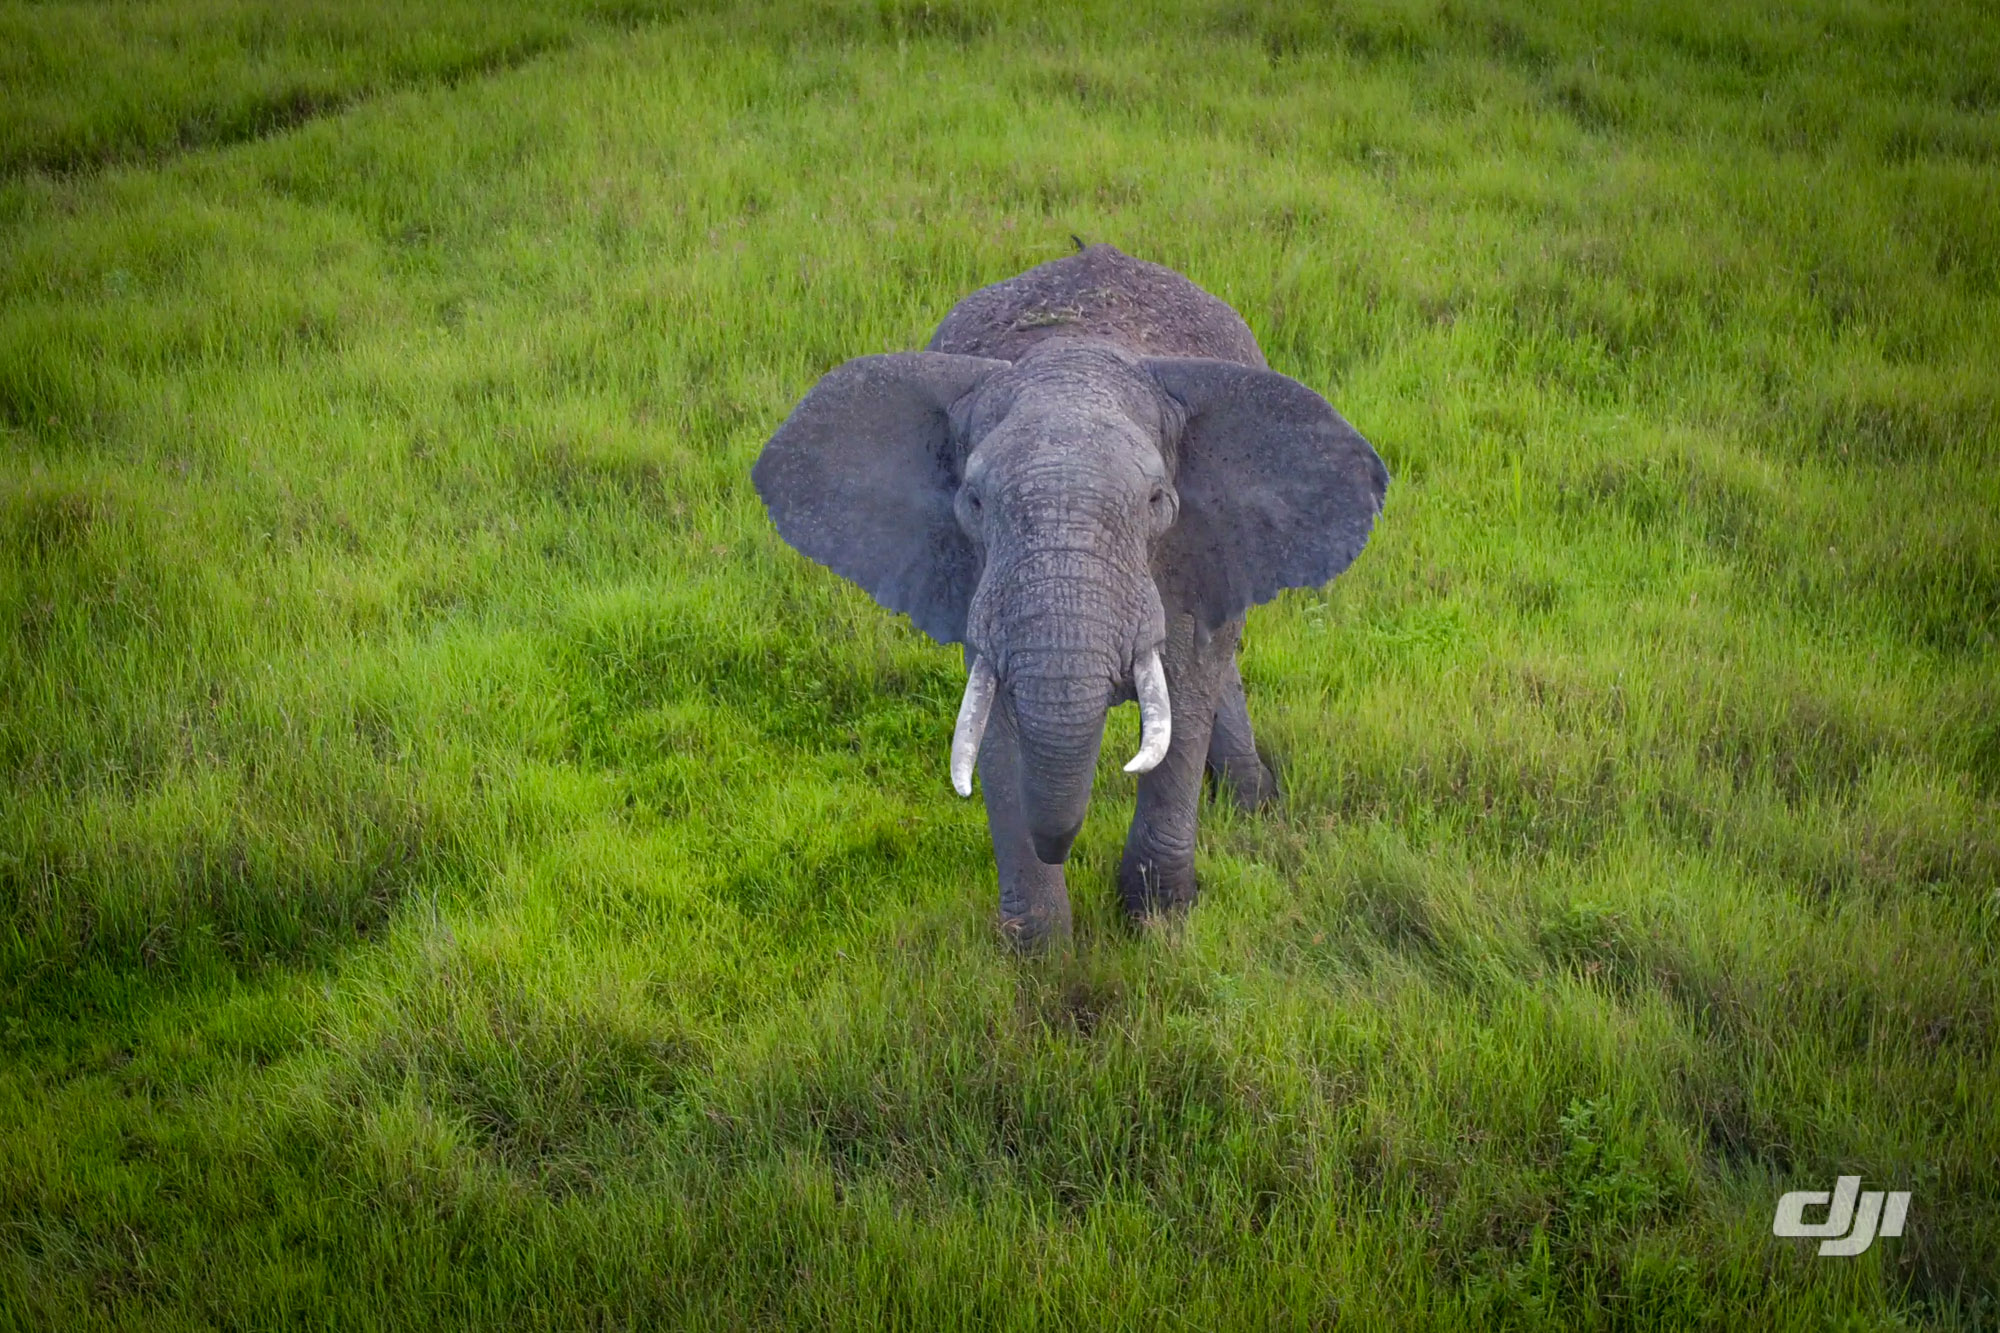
(1156, 875)
(1034, 901)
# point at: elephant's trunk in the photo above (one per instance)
(1055, 665)
(1058, 706)
(1149, 682)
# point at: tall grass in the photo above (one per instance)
(457, 865)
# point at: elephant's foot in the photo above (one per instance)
(1156, 887)
(1232, 747)
(1250, 782)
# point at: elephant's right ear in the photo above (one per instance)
(862, 475)
(1276, 489)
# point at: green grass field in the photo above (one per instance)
(458, 867)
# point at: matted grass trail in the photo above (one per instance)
(458, 866)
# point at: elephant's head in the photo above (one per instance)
(1052, 513)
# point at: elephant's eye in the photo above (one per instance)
(1158, 498)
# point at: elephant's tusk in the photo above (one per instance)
(1156, 715)
(972, 714)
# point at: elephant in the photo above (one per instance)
(1087, 478)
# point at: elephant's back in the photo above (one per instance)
(1099, 292)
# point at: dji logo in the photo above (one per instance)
(1880, 1214)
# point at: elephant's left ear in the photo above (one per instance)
(1276, 489)
(861, 478)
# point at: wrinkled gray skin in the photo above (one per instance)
(1090, 462)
